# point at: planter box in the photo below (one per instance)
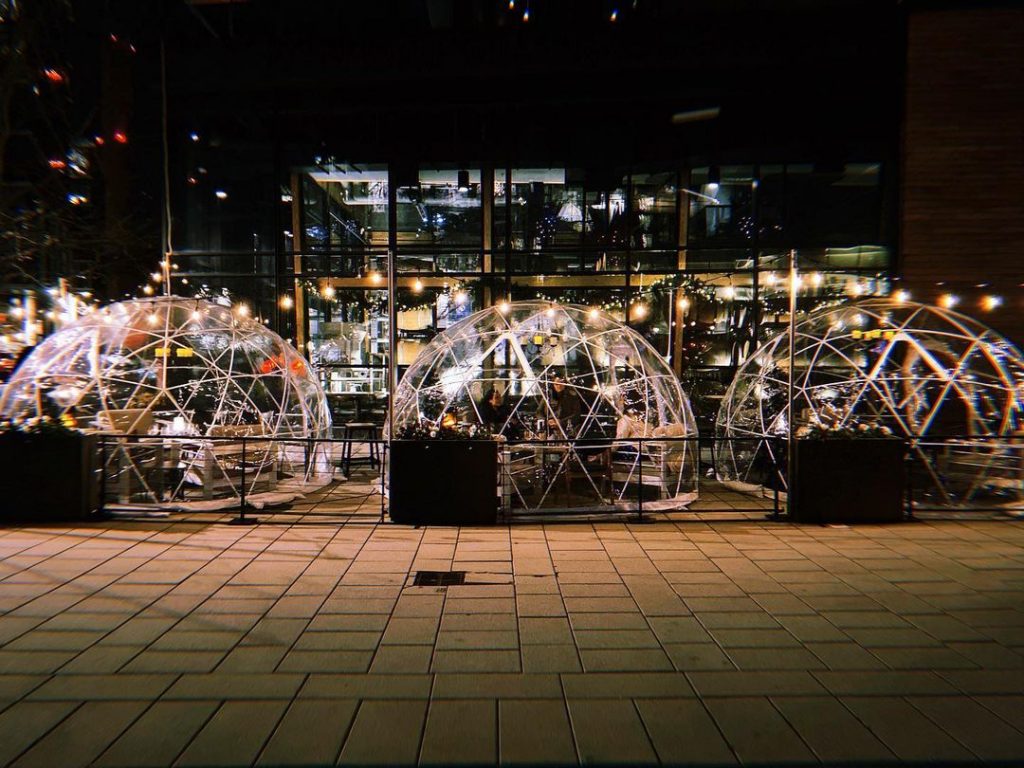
(848, 481)
(443, 482)
(48, 477)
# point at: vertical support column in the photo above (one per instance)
(392, 299)
(298, 241)
(682, 222)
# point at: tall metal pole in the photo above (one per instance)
(392, 300)
(794, 286)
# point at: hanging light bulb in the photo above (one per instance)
(287, 302)
(156, 277)
(856, 289)
(417, 285)
(683, 303)
(503, 307)
(594, 313)
(329, 292)
(639, 310)
(243, 310)
(375, 278)
(990, 302)
(817, 279)
(460, 298)
(948, 300)
(152, 319)
(147, 289)
(901, 296)
(770, 278)
(729, 292)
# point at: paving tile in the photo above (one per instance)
(25, 722)
(102, 687)
(610, 685)
(842, 656)
(391, 659)
(410, 631)
(174, 661)
(683, 733)
(501, 686)
(754, 638)
(621, 638)
(631, 659)
(905, 731)
(159, 735)
(476, 640)
(550, 658)
(733, 683)
(79, 739)
(224, 685)
(252, 658)
(462, 731)
(234, 735)
(757, 732)
(865, 683)
(385, 733)
(381, 686)
(545, 631)
(973, 726)
(1010, 708)
(535, 731)
(835, 735)
(326, 661)
(610, 731)
(310, 733)
(475, 661)
(774, 658)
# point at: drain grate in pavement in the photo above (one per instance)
(438, 578)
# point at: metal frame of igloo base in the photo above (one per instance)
(624, 388)
(923, 371)
(179, 386)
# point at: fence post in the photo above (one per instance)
(383, 460)
(640, 485)
(242, 519)
(909, 462)
(101, 507)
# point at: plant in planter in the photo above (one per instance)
(50, 470)
(846, 471)
(443, 474)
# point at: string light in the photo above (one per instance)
(639, 311)
(147, 289)
(594, 313)
(816, 279)
(729, 292)
(503, 307)
(856, 289)
(156, 277)
(329, 292)
(220, 194)
(120, 137)
(243, 310)
(901, 296)
(991, 302)
(948, 300)
(417, 286)
(375, 278)
(152, 318)
(460, 298)
(286, 302)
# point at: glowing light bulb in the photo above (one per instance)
(770, 278)
(856, 289)
(220, 194)
(901, 296)
(729, 293)
(156, 277)
(549, 312)
(683, 303)
(417, 285)
(329, 292)
(243, 310)
(460, 298)
(948, 300)
(375, 278)
(639, 311)
(147, 289)
(286, 302)
(593, 314)
(196, 314)
(817, 279)
(990, 302)
(503, 307)
(152, 318)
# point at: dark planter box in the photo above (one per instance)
(48, 476)
(848, 481)
(443, 482)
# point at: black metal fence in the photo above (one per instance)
(633, 476)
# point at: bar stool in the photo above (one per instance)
(366, 430)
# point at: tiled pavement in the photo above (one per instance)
(166, 642)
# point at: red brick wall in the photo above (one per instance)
(963, 160)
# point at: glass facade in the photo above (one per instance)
(693, 258)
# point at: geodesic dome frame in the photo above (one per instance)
(621, 386)
(193, 375)
(944, 380)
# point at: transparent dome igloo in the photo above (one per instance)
(573, 377)
(925, 372)
(173, 373)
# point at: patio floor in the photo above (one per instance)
(190, 642)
